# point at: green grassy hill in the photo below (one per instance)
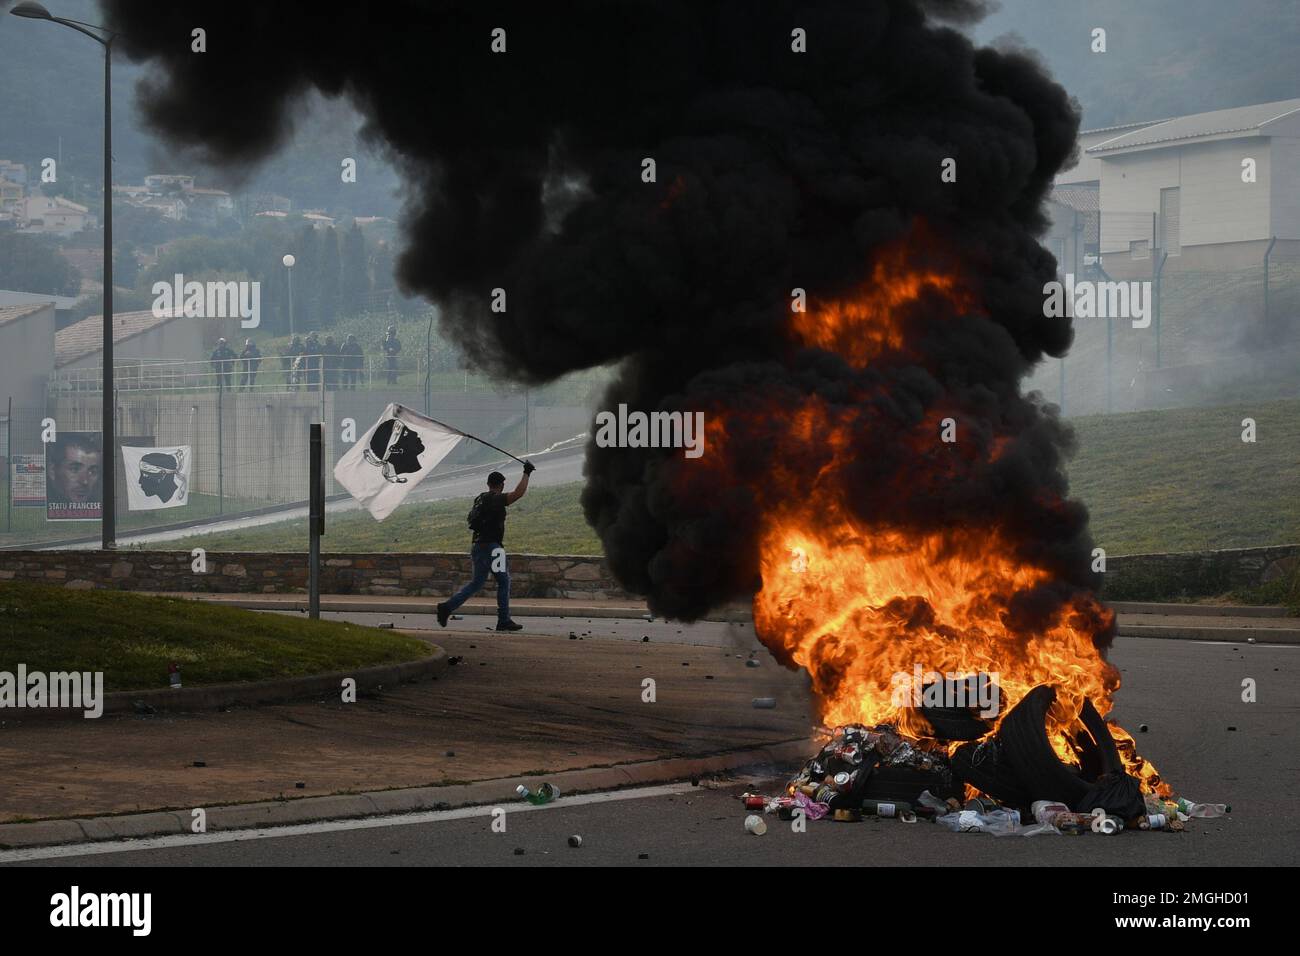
(1183, 480)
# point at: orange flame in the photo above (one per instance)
(857, 606)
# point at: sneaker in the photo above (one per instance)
(510, 626)
(443, 614)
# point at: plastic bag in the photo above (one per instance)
(1007, 822)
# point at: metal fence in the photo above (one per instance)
(269, 373)
(1215, 335)
(246, 451)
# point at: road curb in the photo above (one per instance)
(1198, 610)
(335, 603)
(274, 813)
(1232, 635)
(251, 694)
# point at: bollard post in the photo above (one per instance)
(315, 521)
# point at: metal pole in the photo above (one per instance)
(315, 521)
(221, 487)
(9, 465)
(1159, 273)
(1267, 252)
(108, 502)
(289, 269)
(1110, 352)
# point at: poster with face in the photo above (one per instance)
(74, 464)
(157, 477)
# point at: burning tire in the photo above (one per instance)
(956, 723)
(907, 783)
(1030, 757)
(984, 766)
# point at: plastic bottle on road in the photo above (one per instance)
(1203, 810)
(546, 793)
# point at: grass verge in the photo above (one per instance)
(132, 639)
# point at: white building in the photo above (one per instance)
(54, 215)
(1211, 189)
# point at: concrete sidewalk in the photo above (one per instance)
(1191, 622)
(513, 705)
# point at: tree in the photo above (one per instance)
(356, 271)
(126, 268)
(33, 264)
(306, 280)
(329, 276)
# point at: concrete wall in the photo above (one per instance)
(264, 436)
(26, 357)
(415, 575)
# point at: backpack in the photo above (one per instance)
(476, 517)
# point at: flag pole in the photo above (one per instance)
(467, 435)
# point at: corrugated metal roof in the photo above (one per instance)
(1242, 119)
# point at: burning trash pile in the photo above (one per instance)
(1006, 782)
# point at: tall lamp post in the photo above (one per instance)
(288, 261)
(104, 37)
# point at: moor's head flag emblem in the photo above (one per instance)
(394, 449)
(392, 457)
(162, 474)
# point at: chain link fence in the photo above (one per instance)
(237, 452)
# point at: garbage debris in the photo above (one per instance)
(575, 840)
(754, 824)
(546, 793)
(764, 703)
(1010, 782)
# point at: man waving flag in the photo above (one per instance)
(392, 458)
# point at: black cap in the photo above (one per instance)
(496, 478)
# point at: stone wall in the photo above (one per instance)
(412, 574)
(1155, 577)
(1149, 577)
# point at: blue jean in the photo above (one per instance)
(481, 557)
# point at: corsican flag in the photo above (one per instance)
(392, 457)
(157, 477)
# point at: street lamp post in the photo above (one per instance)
(108, 503)
(288, 261)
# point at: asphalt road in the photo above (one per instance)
(1206, 740)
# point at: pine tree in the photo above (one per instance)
(356, 271)
(329, 276)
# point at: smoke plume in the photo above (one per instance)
(775, 170)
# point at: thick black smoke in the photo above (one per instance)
(775, 170)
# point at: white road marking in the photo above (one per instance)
(329, 826)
